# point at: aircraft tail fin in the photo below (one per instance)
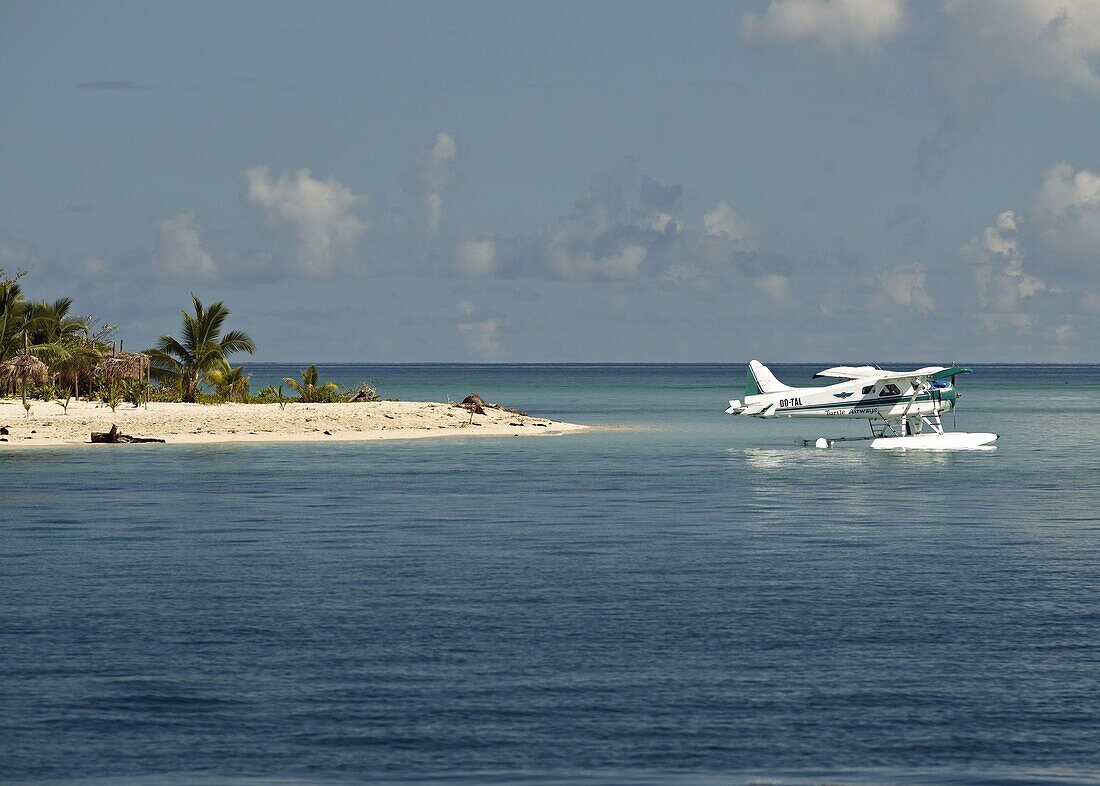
(760, 379)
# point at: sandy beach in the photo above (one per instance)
(178, 423)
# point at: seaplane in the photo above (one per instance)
(903, 408)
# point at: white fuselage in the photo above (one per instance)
(862, 399)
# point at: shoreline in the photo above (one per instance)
(203, 424)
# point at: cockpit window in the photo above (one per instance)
(869, 389)
(891, 390)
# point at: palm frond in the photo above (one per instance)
(237, 341)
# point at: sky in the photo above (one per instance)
(791, 180)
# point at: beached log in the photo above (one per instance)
(364, 393)
(115, 437)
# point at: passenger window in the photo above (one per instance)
(891, 390)
(869, 389)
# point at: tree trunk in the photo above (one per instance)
(190, 388)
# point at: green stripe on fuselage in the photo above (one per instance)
(874, 403)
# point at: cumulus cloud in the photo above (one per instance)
(835, 25)
(721, 221)
(1001, 281)
(180, 251)
(1067, 208)
(905, 286)
(317, 215)
(1053, 39)
(777, 287)
(477, 257)
(600, 239)
(979, 42)
(482, 338)
(434, 173)
(1037, 274)
(626, 228)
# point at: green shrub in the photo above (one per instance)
(112, 396)
(166, 393)
(268, 395)
(43, 392)
(134, 391)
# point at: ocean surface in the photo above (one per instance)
(691, 599)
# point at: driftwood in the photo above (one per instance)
(115, 437)
(364, 393)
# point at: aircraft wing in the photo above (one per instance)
(850, 372)
(873, 374)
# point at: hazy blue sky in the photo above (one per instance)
(840, 180)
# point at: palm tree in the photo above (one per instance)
(60, 338)
(200, 348)
(84, 353)
(229, 383)
(13, 307)
(47, 331)
(308, 390)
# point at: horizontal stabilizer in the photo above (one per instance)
(760, 409)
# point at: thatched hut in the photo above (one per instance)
(23, 369)
(124, 365)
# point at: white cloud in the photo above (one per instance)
(1067, 210)
(623, 263)
(477, 257)
(317, 214)
(180, 250)
(660, 221)
(905, 287)
(721, 221)
(777, 287)
(832, 24)
(465, 308)
(627, 228)
(999, 274)
(435, 172)
(1052, 39)
(482, 338)
(679, 274)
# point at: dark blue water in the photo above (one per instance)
(690, 600)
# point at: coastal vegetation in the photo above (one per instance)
(50, 353)
(200, 349)
(310, 390)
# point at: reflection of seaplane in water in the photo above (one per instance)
(903, 407)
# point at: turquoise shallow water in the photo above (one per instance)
(691, 600)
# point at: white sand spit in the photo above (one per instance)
(205, 423)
